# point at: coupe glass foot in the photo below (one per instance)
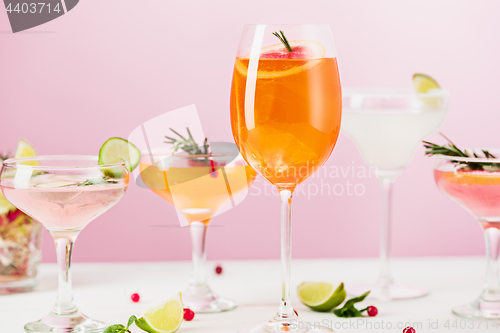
(75, 322)
(204, 300)
(393, 291)
(479, 309)
(294, 325)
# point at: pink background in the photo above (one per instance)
(107, 66)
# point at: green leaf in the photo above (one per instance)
(117, 328)
(131, 320)
(348, 310)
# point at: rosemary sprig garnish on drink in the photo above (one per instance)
(189, 145)
(451, 149)
(283, 39)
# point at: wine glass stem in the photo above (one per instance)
(386, 184)
(491, 290)
(64, 303)
(286, 310)
(198, 238)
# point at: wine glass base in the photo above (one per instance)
(203, 300)
(478, 309)
(393, 291)
(295, 325)
(75, 322)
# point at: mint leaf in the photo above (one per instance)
(348, 310)
(117, 328)
(131, 320)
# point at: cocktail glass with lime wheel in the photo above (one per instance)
(64, 193)
(473, 182)
(198, 181)
(285, 117)
(387, 125)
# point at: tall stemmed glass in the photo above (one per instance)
(199, 186)
(64, 193)
(387, 125)
(474, 183)
(285, 117)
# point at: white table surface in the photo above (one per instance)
(102, 291)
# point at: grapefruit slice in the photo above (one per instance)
(305, 55)
(301, 49)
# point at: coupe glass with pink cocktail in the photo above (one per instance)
(64, 193)
(474, 183)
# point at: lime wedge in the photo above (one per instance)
(423, 83)
(25, 149)
(163, 318)
(321, 296)
(117, 150)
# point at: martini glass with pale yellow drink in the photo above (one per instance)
(200, 182)
(285, 116)
(471, 178)
(65, 193)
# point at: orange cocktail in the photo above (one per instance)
(296, 116)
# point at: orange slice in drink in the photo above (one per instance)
(474, 178)
(305, 54)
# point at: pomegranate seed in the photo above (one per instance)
(218, 270)
(372, 311)
(188, 314)
(295, 312)
(409, 329)
(135, 297)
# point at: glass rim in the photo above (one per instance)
(391, 92)
(470, 159)
(12, 162)
(288, 24)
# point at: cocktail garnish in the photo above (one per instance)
(119, 328)
(98, 181)
(451, 149)
(283, 39)
(349, 310)
(188, 145)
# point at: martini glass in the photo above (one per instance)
(477, 190)
(199, 187)
(388, 125)
(64, 193)
(285, 117)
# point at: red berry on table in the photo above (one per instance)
(218, 269)
(135, 297)
(409, 329)
(372, 311)
(188, 314)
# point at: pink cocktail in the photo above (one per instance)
(474, 183)
(64, 193)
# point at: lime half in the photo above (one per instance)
(117, 150)
(163, 318)
(423, 83)
(321, 296)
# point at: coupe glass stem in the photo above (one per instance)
(64, 248)
(491, 290)
(285, 310)
(198, 239)
(385, 279)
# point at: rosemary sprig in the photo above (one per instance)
(451, 149)
(188, 145)
(283, 39)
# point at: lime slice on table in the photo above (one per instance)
(321, 296)
(117, 150)
(163, 318)
(423, 83)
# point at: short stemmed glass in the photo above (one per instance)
(285, 117)
(474, 183)
(199, 187)
(387, 125)
(64, 193)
